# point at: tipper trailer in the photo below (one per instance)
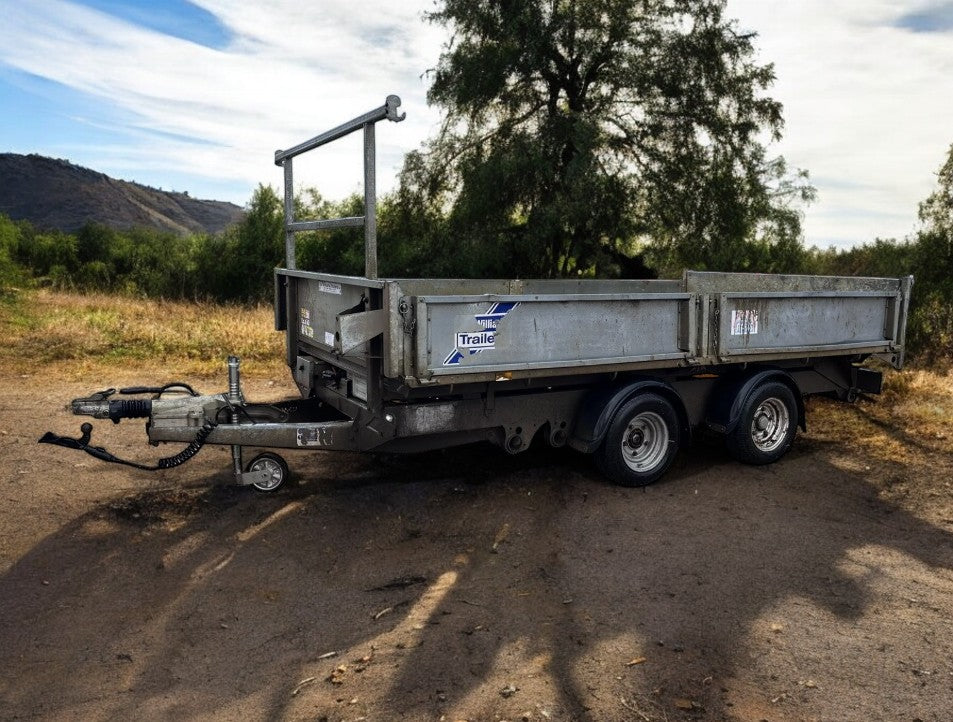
(626, 370)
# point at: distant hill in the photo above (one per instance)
(52, 193)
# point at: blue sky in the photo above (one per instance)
(198, 95)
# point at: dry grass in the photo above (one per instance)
(901, 441)
(916, 406)
(72, 334)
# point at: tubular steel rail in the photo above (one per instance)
(283, 158)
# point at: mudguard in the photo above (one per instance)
(600, 406)
(724, 407)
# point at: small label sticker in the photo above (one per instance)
(328, 339)
(305, 318)
(744, 322)
(328, 287)
(315, 437)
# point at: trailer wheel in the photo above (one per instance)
(766, 425)
(275, 466)
(641, 441)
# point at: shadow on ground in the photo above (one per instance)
(473, 585)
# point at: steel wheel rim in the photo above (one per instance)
(770, 424)
(645, 442)
(275, 471)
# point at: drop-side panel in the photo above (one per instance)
(777, 323)
(318, 301)
(457, 335)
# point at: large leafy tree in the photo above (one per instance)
(936, 214)
(932, 318)
(576, 129)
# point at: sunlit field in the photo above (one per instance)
(73, 334)
(908, 424)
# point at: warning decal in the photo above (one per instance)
(744, 322)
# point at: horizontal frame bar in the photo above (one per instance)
(388, 111)
(809, 294)
(554, 297)
(357, 281)
(340, 434)
(872, 347)
(536, 365)
(326, 223)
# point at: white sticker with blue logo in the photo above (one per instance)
(467, 343)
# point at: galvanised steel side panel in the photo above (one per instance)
(319, 301)
(716, 282)
(574, 326)
(759, 323)
(473, 334)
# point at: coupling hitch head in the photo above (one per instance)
(99, 406)
(95, 405)
(80, 444)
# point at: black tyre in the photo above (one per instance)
(767, 425)
(277, 470)
(641, 443)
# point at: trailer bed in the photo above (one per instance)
(446, 332)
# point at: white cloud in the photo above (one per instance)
(294, 69)
(868, 108)
(868, 103)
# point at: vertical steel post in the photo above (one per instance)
(235, 398)
(289, 215)
(370, 203)
(375, 348)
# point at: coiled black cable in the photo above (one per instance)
(189, 451)
(159, 390)
(82, 444)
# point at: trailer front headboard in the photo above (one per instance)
(284, 158)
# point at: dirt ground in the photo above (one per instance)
(467, 584)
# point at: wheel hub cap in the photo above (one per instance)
(274, 471)
(770, 425)
(645, 442)
(636, 439)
